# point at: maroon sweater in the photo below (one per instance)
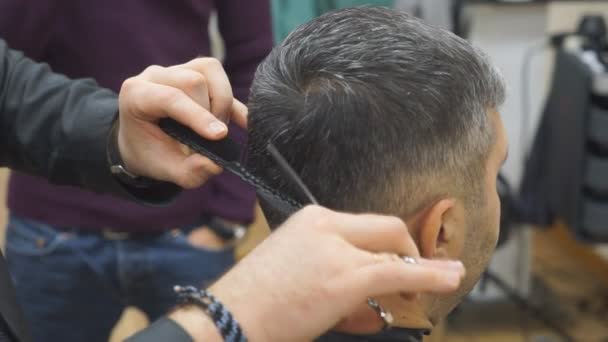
(111, 40)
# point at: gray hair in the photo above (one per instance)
(375, 110)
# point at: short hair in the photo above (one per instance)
(375, 110)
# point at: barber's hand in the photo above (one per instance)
(315, 270)
(198, 95)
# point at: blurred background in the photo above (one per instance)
(549, 277)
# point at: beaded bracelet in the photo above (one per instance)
(222, 318)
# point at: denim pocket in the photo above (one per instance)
(180, 238)
(31, 238)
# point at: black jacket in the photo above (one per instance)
(55, 128)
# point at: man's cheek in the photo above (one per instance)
(493, 228)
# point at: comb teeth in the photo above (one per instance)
(184, 135)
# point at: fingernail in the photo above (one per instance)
(455, 265)
(217, 127)
(452, 278)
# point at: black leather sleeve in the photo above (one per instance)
(58, 128)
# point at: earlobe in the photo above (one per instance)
(435, 232)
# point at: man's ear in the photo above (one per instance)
(436, 232)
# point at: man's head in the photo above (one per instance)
(378, 112)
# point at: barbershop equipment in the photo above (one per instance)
(566, 169)
(566, 175)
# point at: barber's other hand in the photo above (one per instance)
(198, 95)
(315, 270)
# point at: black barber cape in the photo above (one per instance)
(392, 335)
(55, 128)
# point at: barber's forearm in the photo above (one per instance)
(58, 128)
(52, 126)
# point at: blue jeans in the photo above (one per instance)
(74, 285)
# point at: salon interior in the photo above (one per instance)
(548, 278)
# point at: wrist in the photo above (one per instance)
(139, 187)
(122, 151)
(117, 156)
(197, 324)
(242, 309)
(224, 321)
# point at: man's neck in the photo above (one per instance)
(410, 325)
(408, 312)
